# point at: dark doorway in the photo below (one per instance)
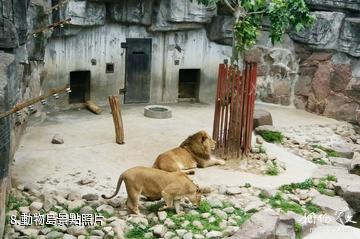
(80, 86)
(189, 80)
(138, 70)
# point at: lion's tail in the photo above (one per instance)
(117, 188)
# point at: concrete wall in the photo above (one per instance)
(102, 43)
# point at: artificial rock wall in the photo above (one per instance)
(97, 29)
(21, 68)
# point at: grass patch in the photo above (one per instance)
(15, 203)
(154, 207)
(272, 169)
(318, 161)
(271, 136)
(309, 183)
(204, 206)
(329, 152)
(278, 201)
(298, 230)
(138, 231)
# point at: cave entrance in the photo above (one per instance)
(80, 86)
(189, 81)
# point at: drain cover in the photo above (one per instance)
(157, 111)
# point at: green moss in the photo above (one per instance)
(272, 169)
(298, 230)
(15, 203)
(331, 178)
(307, 184)
(318, 161)
(154, 207)
(204, 206)
(329, 152)
(272, 136)
(285, 205)
(138, 231)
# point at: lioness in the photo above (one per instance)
(193, 152)
(156, 184)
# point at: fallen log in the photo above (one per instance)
(91, 105)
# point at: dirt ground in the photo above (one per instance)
(91, 154)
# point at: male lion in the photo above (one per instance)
(193, 152)
(156, 184)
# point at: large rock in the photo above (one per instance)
(352, 5)
(131, 12)
(324, 33)
(355, 164)
(266, 224)
(262, 117)
(334, 206)
(83, 13)
(349, 40)
(221, 29)
(180, 15)
(341, 107)
(8, 34)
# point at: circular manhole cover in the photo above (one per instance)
(157, 111)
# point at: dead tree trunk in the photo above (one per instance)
(116, 113)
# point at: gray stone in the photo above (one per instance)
(214, 234)
(84, 13)
(36, 206)
(159, 230)
(220, 213)
(76, 230)
(98, 233)
(221, 29)
(162, 215)
(8, 34)
(131, 12)
(262, 117)
(115, 202)
(169, 223)
(73, 196)
(30, 232)
(334, 206)
(75, 204)
(324, 33)
(86, 210)
(188, 235)
(54, 235)
(57, 139)
(90, 197)
(352, 5)
(181, 232)
(166, 21)
(68, 236)
(340, 162)
(263, 224)
(355, 164)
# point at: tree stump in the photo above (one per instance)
(116, 113)
(91, 105)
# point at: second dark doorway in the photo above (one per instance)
(80, 86)
(189, 80)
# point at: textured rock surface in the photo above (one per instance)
(83, 13)
(221, 29)
(131, 12)
(353, 5)
(349, 41)
(324, 33)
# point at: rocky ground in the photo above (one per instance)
(329, 197)
(220, 214)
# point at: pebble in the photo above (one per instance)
(188, 235)
(105, 208)
(36, 206)
(162, 215)
(159, 230)
(214, 234)
(90, 197)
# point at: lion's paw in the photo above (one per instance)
(220, 162)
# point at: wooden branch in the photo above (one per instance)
(116, 113)
(258, 12)
(51, 26)
(32, 101)
(228, 6)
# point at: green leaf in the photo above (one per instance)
(299, 27)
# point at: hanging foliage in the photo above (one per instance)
(283, 15)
